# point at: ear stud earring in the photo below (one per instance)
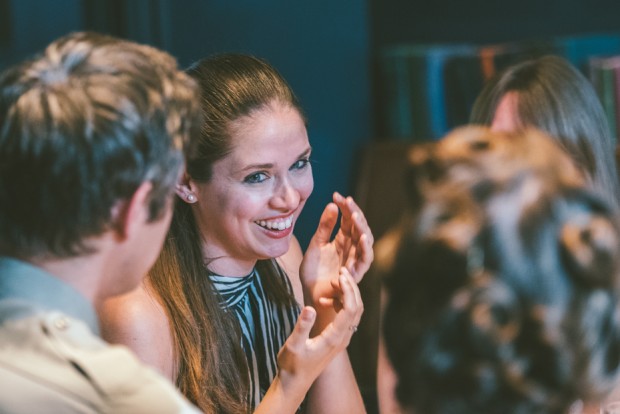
(191, 198)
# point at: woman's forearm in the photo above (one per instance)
(336, 391)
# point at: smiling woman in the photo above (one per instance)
(248, 208)
(220, 311)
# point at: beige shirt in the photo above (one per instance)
(52, 361)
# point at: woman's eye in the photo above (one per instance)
(300, 164)
(255, 178)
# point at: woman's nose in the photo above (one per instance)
(286, 197)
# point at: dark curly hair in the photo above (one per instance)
(503, 293)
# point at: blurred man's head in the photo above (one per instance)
(84, 126)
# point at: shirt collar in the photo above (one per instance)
(22, 280)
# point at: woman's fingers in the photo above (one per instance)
(352, 296)
(361, 253)
(346, 220)
(364, 255)
(327, 222)
(351, 303)
(335, 300)
(301, 330)
(293, 355)
(302, 356)
(346, 300)
(359, 221)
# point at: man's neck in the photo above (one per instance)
(83, 273)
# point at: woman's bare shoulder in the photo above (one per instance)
(134, 311)
(138, 321)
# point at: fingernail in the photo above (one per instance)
(307, 314)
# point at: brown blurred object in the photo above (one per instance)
(380, 193)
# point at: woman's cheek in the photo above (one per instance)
(307, 186)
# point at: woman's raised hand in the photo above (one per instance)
(303, 358)
(351, 248)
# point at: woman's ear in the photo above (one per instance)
(184, 189)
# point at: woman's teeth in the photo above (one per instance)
(276, 224)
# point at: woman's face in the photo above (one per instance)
(248, 209)
(505, 118)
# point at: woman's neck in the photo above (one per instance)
(228, 266)
(220, 261)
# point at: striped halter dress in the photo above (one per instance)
(265, 326)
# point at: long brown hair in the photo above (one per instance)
(211, 366)
(554, 96)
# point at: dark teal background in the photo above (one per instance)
(325, 48)
(320, 46)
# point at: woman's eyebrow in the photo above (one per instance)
(267, 166)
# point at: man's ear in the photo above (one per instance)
(184, 189)
(130, 214)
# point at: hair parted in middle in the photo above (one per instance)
(555, 97)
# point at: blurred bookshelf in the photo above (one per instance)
(425, 90)
(605, 75)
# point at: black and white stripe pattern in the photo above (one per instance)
(264, 326)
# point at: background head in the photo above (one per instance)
(82, 126)
(550, 94)
(232, 86)
(503, 294)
